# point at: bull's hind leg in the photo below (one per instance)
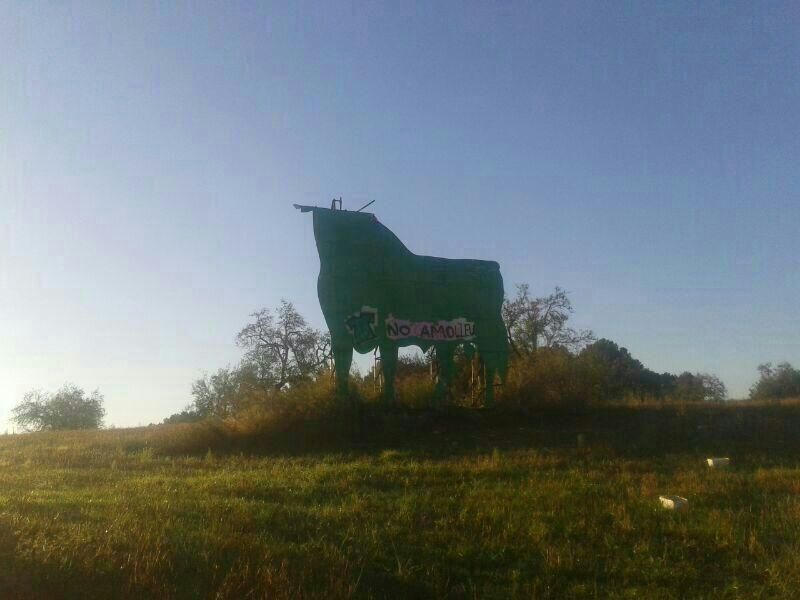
(492, 363)
(494, 352)
(444, 355)
(388, 368)
(342, 359)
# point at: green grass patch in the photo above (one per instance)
(377, 504)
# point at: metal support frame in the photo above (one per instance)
(377, 375)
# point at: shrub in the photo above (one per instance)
(416, 391)
(548, 378)
(278, 417)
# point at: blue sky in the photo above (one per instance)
(642, 156)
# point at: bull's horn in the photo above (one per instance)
(303, 207)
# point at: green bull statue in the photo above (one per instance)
(375, 293)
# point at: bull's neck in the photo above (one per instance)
(368, 246)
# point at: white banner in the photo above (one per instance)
(457, 329)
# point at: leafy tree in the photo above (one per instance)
(283, 349)
(187, 415)
(534, 323)
(216, 395)
(617, 371)
(781, 381)
(623, 369)
(223, 393)
(699, 387)
(618, 374)
(715, 390)
(68, 408)
(689, 388)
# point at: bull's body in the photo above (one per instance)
(374, 292)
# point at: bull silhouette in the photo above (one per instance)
(375, 292)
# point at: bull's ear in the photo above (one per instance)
(303, 208)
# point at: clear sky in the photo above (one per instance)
(642, 156)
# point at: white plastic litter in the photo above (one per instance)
(718, 463)
(674, 502)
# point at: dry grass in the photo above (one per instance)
(408, 504)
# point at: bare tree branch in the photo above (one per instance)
(532, 323)
(282, 348)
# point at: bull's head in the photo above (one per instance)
(315, 209)
(331, 217)
(347, 228)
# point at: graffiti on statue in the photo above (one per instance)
(361, 326)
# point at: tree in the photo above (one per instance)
(215, 395)
(187, 415)
(222, 394)
(283, 350)
(781, 381)
(280, 351)
(68, 408)
(715, 390)
(618, 372)
(532, 323)
(699, 387)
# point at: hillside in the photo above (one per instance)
(464, 504)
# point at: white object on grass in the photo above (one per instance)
(674, 502)
(718, 463)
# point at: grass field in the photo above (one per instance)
(465, 504)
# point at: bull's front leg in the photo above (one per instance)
(342, 359)
(388, 368)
